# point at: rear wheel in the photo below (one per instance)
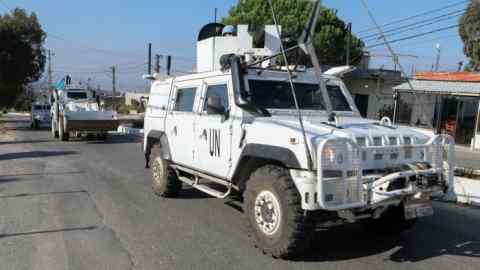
(165, 182)
(102, 136)
(274, 214)
(54, 129)
(64, 135)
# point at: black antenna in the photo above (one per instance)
(349, 43)
(292, 87)
(306, 44)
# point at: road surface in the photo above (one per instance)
(88, 205)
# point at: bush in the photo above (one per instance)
(124, 109)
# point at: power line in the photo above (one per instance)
(415, 36)
(416, 25)
(429, 12)
(79, 72)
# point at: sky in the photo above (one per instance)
(88, 37)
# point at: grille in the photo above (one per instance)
(341, 182)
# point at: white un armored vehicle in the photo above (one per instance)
(299, 163)
(76, 110)
(39, 115)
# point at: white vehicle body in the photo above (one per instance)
(367, 148)
(40, 115)
(77, 110)
(237, 124)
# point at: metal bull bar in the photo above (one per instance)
(341, 184)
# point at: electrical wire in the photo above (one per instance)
(416, 25)
(417, 35)
(429, 12)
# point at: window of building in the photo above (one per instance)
(185, 99)
(219, 92)
(77, 95)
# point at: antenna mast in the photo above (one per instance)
(392, 52)
(304, 43)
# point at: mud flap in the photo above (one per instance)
(417, 209)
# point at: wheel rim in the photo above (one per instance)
(267, 212)
(157, 170)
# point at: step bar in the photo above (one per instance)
(202, 187)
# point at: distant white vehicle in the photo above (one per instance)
(299, 163)
(40, 115)
(77, 111)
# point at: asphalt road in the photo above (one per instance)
(88, 205)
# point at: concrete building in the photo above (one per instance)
(131, 96)
(372, 90)
(444, 102)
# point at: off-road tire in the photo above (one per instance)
(54, 129)
(165, 182)
(102, 136)
(295, 229)
(64, 135)
(391, 222)
(35, 124)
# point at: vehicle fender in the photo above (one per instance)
(280, 154)
(155, 136)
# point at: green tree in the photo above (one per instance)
(470, 33)
(22, 57)
(331, 32)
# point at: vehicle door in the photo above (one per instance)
(180, 123)
(213, 128)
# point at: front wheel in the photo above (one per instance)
(165, 182)
(274, 214)
(54, 129)
(64, 135)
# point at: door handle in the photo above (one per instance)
(174, 130)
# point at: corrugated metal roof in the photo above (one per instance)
(441, 87)
(448, 76)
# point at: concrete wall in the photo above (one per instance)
(379, 93)
(465, 191)
(134, 96)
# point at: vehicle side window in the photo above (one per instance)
(217, 94)
(185, 99)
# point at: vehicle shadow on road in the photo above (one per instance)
(420, 243)
(42, 174)
(89, 228)
(36, 154)
(24, 142)
(4, 180)
(116, 139)
(192, 193)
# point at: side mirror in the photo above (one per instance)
(241, 95)
(214, 105)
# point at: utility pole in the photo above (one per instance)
(437, 62)
(149, 58)
(157, 63)
(169, 64)
(349, 42)
(114, 89)
(50, 88)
